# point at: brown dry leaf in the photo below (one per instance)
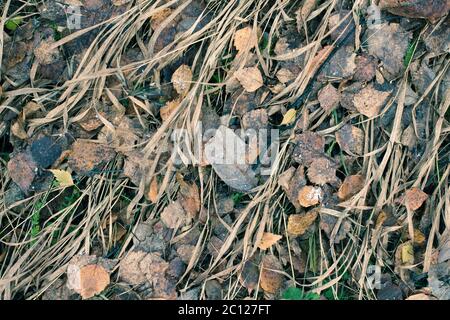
(322, 171)
(370, 100)
(181, 79)
(255, 119)
(189, 198)
(328, 223)
(271, 279)
(139, 267)
(351, 139)
(309, 196)
(250, 78)
(86, 156)
(45, 53)
(18, 129)
(414, 198)
(309, 145)
(152, 194)
(22, 170)
(419, 237)
(329, 97)
(174, 216)
(366, 67)
(268, 239)
(168, 108)
(285, 75)
(425, 9)
(93, 280)
(351, 186)
(249, 275)
(421, 296)
(391, 55)
(292, 180)
(185, 252)
(245, 39)
(304, 11)
(158, 18)
(298, 224)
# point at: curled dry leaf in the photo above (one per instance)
(268, 239)
(322, 171)
(181, 79)
(425, 9)
(250, 78)
(414, 198)
(298, 224)
(329, 97)
(309, 196)
(351, 186)
(245, 39)
(351, 139)
(271, 279)
(370, 100)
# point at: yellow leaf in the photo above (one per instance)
(289, 117)
(407, 253)
(64, 178)
(268, 239)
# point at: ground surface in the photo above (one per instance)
(106, 194)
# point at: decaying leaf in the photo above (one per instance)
(249, 275)
(250, 78)
(226, 153)
(255, 119)
(369, 101)
(309, 146)
(328, 97)
(309, 196)
(189, 197)
(245, 39)
(292, 180)
(328, 224)
(174, 216)
(426, 9)
(351, 186)
(288, 117)
(414, 198)
(321, 171)
(45, 151)
(268, 239)
(181, 79)
(351, 139)
(298, 224)
(366, 66)
(139, 267)
(391, 55)
(22, 170)
(64, 178)
(45, 53)
(86, 156)
(285, 75)
(271, 278)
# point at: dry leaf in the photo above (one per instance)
(414, 198)
(309, 146)
(370, 100)
(22, 170)
(86, 156)
(168, 108)
(271, 278)
(138, 267)
(174, 216)
(45, 53)
(250, 78)
(420, 296)
(158, 18)
(285, 75)
(288, 117)
(328, 97)
(304, 11)
(298, 224)
(309, 196)
(351, 186)
(407, 253)
(17, 129)
(153, 191)
(419, 237)
(351, 139)
(268, 239)
(249, 275)
(245, 39)
(189, 198)
(181, 79)
(426, 9)
(322, 171)
(93, 280)
(64, 178)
